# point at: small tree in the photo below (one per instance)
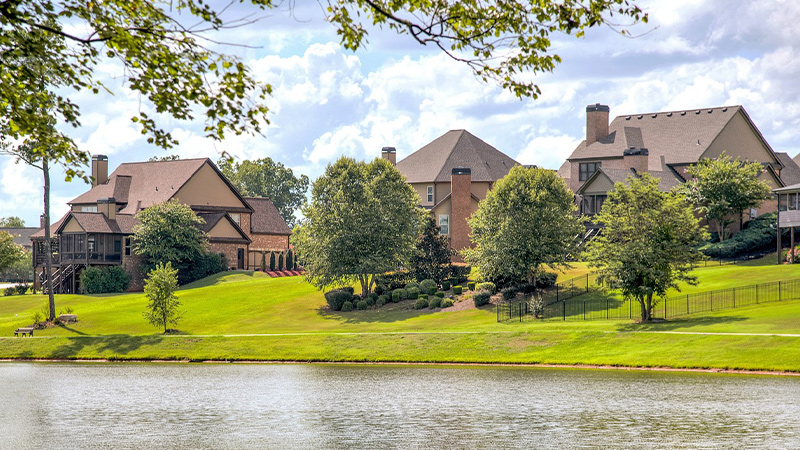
(526, 222)
(159, 287)
(280, 261)
(648, 243)
(11, 222)
(264, 261)
(723, 186)
(271, 261)
(362, 221)
(432, 258)
(289, 260)
(10, 252)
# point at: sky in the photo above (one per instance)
(328, 101)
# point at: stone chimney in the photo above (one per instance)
(596, 123)
(636, 159)
(390, 154)
(108, 206)
(42, 223)
(99, 169)
(460, 207)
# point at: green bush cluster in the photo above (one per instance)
(471, 285)
(394, 280)
(481, 298)
(445, 285)
(486, 286)
(428, 286)
(103, 280)
(446, 303)
(347, 306)
(439, 294)
(413, 293)
(338, 297)
(435, 302)
(382, 300)
(457, 290)
(207, 264)
(460, 273)
(19, 289)
(509, 292)
(362, 305)
(421, 303)
(758, 234)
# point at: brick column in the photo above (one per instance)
(461, 208)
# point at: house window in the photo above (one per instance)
(430, 194)
(592, 204)
(236, 218)
(127, 246)
(587, 169)
(444, 223)
(792, 202)
(92, 247)
(89, 208)
(117, 245)
(782, 202)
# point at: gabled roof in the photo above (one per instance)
(667, 178)
(447, 197)
(790, 173)
(95, 222)
(265, 218)
(678, 136)
(454, 149)
(21, 236)
(213, 218)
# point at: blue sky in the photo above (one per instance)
(329, 102)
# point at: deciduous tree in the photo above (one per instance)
(10, 252)
(527, 222)
(432, 257)
(723, 186)
(648, 243)
(11, 222)
(159, 288)
(362, 221)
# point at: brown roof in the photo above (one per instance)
(55, 226)
(455, 149)
(21, 236)
(265, 218)
(95, 222)
(149, 182)
(790, 173)
(678, 136)
(667, 178)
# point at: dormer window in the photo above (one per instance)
(587, 169)
(92, 208)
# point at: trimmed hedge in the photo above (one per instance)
(338, 297)
(421, 303)
(457, 290)
(347, 306)
(394, 280)
(486, 286)
(461, 273)
(362, 305)
(481, 298)
(435, 302)
(471, 285)
(439, 294)
(446, 303)
(445, 285)
(758, 234)
(104, 280)
(413, 293)
(428, 286)
(382, 300)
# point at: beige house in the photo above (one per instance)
(451, 175)
(99, 227)
(665, 144)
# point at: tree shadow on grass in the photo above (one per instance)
(393, 312)
(683, 322)
(119, 344)
(71, 330)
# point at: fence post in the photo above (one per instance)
(779, 291)
(587, 282)
(756, 294)
(556, 293)
(734, 297)
(564, 309)
(606, 308)
(584, 310)
(666, 300)
(687, 304)
(712, 299)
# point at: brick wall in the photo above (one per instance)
(461, 208)
(132, 265)
(230, 250)
(269, 242)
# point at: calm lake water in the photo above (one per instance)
(61, 405)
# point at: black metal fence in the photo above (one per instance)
(604, 307)
(561, 292)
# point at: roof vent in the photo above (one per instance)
(698, 142)
(639, 117)
(654, 116)
(633, 151)
(669, 114)
(697, 112)
(683, 113)
(628, 118)
(725, 109)
(710, 111)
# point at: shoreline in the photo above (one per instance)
(411, 363)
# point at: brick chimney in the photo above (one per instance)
(390, 154)
(460, 207)
(636, 159)
(108, 206)
(99, 169)
(42, 223)
(596, 123)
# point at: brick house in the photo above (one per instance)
(665, 144)
(451, 175)
(99, 226)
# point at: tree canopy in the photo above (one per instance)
(267, 178)
(159, 288)
(723, 186)
(432, 258)
(10, 252)
(648, 243)
(362, 221)
(527, 222)
(11, 222)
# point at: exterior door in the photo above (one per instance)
(240, 259)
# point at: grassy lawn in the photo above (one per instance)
(286, 319)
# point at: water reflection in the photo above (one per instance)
(308, 406)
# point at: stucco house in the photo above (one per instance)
(451, 175)
(665, 144)
(99, 226)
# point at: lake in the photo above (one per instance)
(129, 405)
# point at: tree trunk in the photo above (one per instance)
(48, 252)
(721, 229)
(649, 307)
(643, 308)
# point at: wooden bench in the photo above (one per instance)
(23, 332)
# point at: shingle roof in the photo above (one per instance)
(149, 182)
(211, 219)
(265, 218)
(21, 236)
(55, 226)
(95, 222)
(667, 178)
(678, 136)
(457, 148)
(790, 174)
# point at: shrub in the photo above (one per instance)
(347, 306)
(382, 300)
(487, 286)
(22, 288)
(481, 298)
(446, 303)
(289, 260)
(348, 289)
(471, 285)
(394, 280)
(460, 273)
(380, 289)
(439, 294)
(373, 296)
(427, 286)
(337, 298)
(370, 301)
(423, 296)
(457, 290)
(280, 261)
(509, 293)
(11, 290)
(206, 264)
(396, 295)
(758, 234)
(435, 302)
(362, 305)
(453, 281)
(445, 285)
(263, 261)
(546, 279)
(421, 303)
(413, 293)
(37, 317)
(101, 280)
(413, 284)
